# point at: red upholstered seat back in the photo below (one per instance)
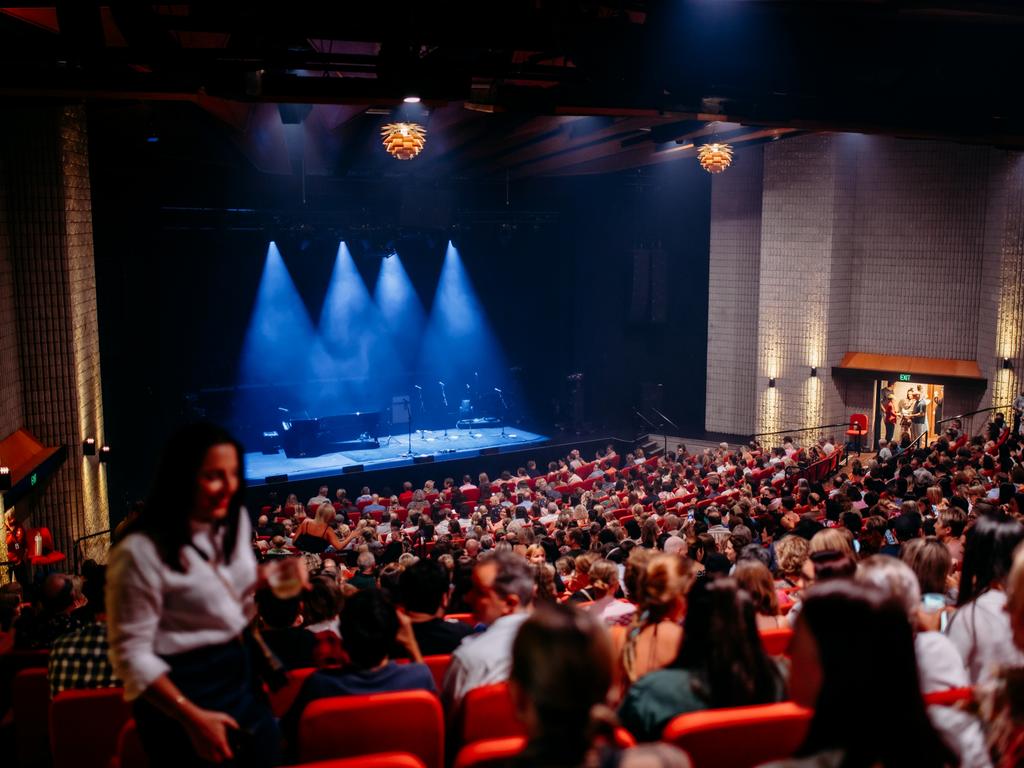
(85, 725)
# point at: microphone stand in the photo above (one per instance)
(504, 416)
(666, 420)
(444, 399)
(647, 421)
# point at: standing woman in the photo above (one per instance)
(179, 598)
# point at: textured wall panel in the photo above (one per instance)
(732, 295)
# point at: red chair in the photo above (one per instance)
(858, 428)
(369, 721)
(282, 700)
(85, 725)
(130, 753)
(488, 713)
(30, 701)
(383, 760)
(776, 641)
(479, 752)
(11, 663)
(49, 556)
(471, 495)
(755, 735)
(438, 666)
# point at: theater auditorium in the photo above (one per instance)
(558, 383)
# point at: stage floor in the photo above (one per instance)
(461, 444)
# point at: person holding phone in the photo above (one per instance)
(180, 592)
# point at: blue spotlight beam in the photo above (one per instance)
(399, 307)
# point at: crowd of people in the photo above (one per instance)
(612, 590)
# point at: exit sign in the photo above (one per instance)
(904, 377)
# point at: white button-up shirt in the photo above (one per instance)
(154, 611)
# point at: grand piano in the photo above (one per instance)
(330, 434)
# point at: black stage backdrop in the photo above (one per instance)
(552, 262)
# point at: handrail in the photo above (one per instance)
(915, 442)
(973, 413)
(80, 539)
(797, 431)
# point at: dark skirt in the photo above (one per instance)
(219, 678)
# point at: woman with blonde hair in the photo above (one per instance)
(832, 540)
(604, 585)
(791, 553)
(318, 534)
(652, 640)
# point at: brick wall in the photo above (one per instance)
(870, 244)
(732, 294)
(52, 280)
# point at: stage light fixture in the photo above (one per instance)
(403, 141)
(1007, 365)
(5, 479)
(771, 383)
(89, 446)
(104, 456)
(411, 99)
(715, 157)
(814, 372)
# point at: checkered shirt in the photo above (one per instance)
(78, 659)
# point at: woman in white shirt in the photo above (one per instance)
(980, 628)
(179, 597)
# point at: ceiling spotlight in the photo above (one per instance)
(715, 158)
(403, 141)
(411, 99)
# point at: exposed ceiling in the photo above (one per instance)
(530, 87)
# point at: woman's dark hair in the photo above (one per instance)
(165, 517)
(857, 629)
(723, 649)
(322, 601)
(562, 662)
(988, 555)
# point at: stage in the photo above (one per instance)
(461, 444)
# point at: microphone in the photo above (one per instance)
(497, 390)
(417, 386)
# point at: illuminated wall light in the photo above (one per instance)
(104, 456)
(814, 372)
(771, 382)
(5, 479)
(89, 446)
(1007, 365)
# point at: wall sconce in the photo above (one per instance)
(771, 383)
(104, 456)
(814, 372)
(5, 479)
(89, 446)
(1007, 365)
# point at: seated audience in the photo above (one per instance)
(366, 577)
(369, 626)
(281, 628)
(980, 628)
(501, 597)
(317, 535)
(79, 658)
(52, 615)
(754, 577)
(721, 663)
(559, 680)
(845, 632)
(423, 594)
(603, 587)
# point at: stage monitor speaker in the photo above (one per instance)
(351, 469)
(489, 452)
(272, 479)
(422, 459)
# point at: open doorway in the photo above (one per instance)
(905, 395)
